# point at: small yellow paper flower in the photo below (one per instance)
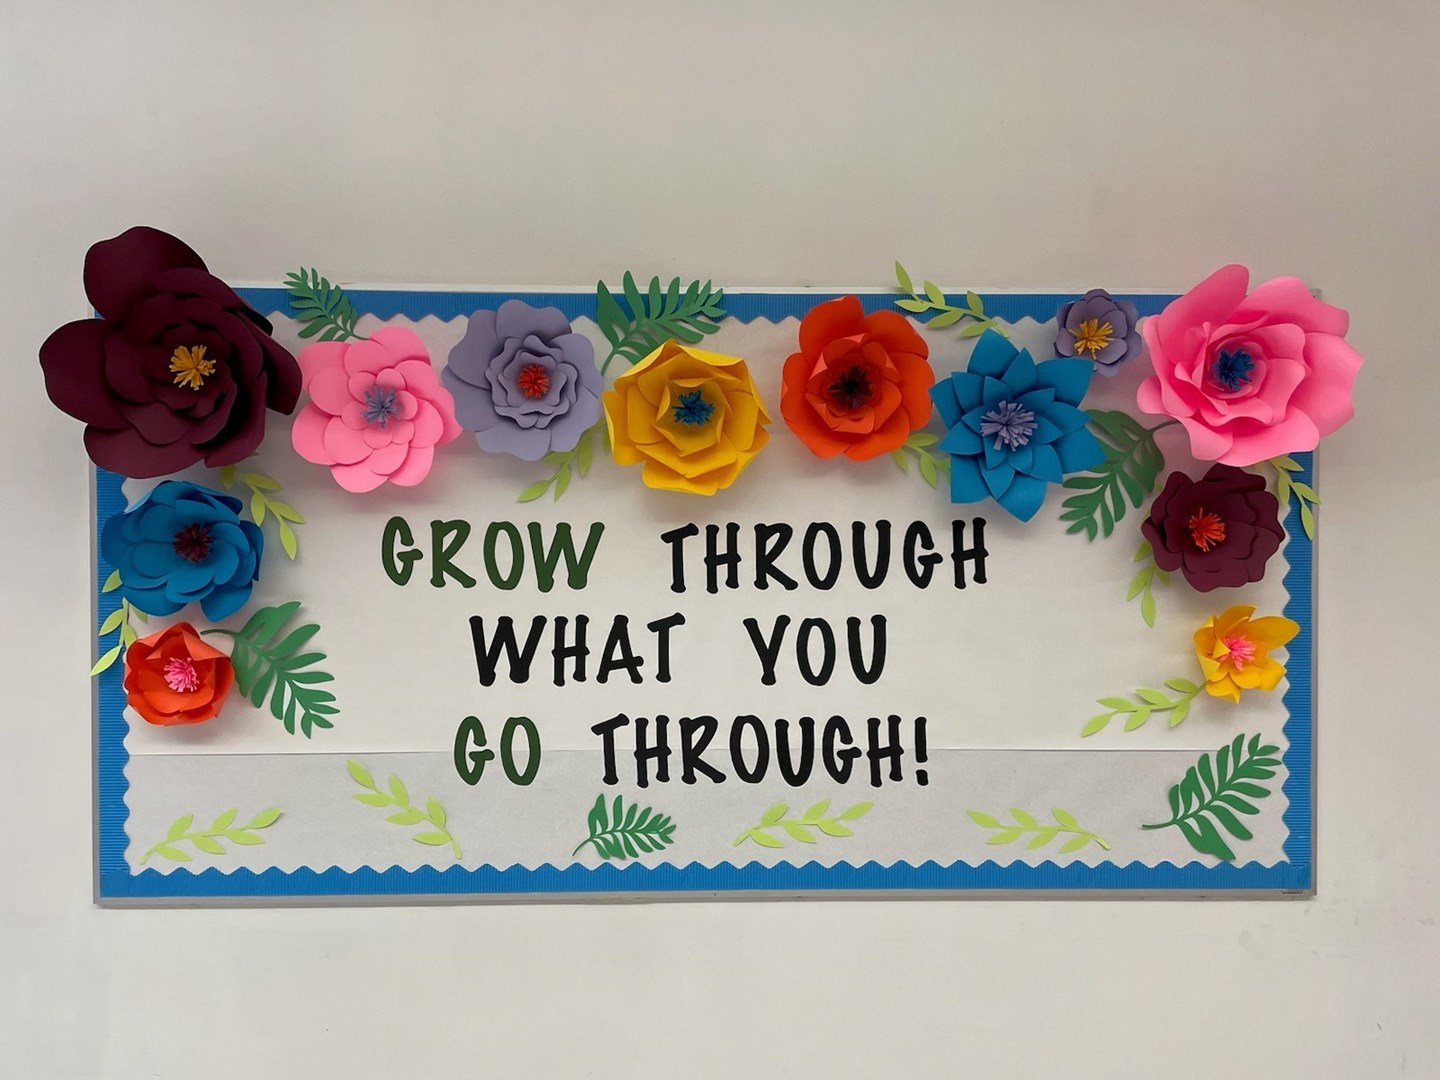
(694, 418)
(1234, 651)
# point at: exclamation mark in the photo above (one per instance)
(921, 776)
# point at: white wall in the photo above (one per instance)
(1129, 143)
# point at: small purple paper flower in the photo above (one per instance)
(523, 381)
(1099, 328)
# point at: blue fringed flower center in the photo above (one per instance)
(693, 409)
(1232, 370)
(380, 405)
(1010, 423)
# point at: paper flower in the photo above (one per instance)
(1099, 328)
(1250, 376)
(1234, 651)
(524, 382)
(1218, 531)
(376, 411)
(177, 368)
(694, 418)
(173, 677)
(858, 386)
(1015, 425)
(180, 544)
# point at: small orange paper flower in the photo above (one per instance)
(859, 384)
(173, 677)
(1234, 651)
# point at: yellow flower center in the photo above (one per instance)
(190, 366)
(1091, 336)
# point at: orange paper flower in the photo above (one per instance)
(173, 677)
(1234, 651)
(859, 384)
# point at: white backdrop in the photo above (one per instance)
(1129, 144)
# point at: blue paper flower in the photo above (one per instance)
(184, 543)
(1015, 425)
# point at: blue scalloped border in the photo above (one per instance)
(116, 881)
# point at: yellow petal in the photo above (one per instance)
(1272, 631)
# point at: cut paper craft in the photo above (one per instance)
(859, 383)
(946, 314)
(1218, 531)
(207, 841)
(1213, 793)
(932, 464)
(815, 821)
(626, 832)
(1015, 426)
(524, 381)
(438, 835)
(262, 505)
(323, 309)
(646, 321)
(1285, 485)
(1023, 823)
(269, 662)
(181, 544)
(1131, 467)
(1100, 329)
(693, 418)
(1234, 651)
(568, 465)
(376, 411)
(1251, 376)
(172, 677)
(120, 622)
(1147, 703)
(177, 369)
(1142, 583)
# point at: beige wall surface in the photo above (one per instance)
(1131, 143)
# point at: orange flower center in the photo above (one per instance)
(1206, 530)
(190, 366)
(534, 381)
(852, 390)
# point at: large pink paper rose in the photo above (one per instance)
(376, 411)
(1250, 377)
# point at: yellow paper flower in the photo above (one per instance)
(1234, 651)
(694, 418)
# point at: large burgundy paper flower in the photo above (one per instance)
(177, 368)
(1218, 531)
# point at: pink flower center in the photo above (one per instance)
(534, 381)
(1242, 651)
(180, 675)
(192, 543)
(1206, 530)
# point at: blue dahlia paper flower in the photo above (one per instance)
(1015, 425)
(184, 543)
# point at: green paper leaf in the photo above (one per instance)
(112, 582)
(655, 316)
(1131, 468)
(405, 815)
(207, 841)
(1201, 804)
(1148, 701)
(903, 278)
(434, 839)
(625, 833)
(266, 666)
(817, 817)
(322, 308)
(1023, 822)
(107, 658)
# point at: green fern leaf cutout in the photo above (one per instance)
(817, 819)
(1064, 823)
(1133, 463)
(396, 797)
(636, 324)
(1214, 791)
(268, 662)
(626, 832)
(323, 309)
(207, 840)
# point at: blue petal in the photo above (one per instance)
(153, 559)
(112, 541)
(1045, 464)
(960, 440)
(190, 580)
(1038, 401)
(1045, 432)
(995, 392)
(946, 402)
(1070, 376)
(151, 601)
(998, 479)
(1024, 497)
(1066, 417)
(224, 601)
(1020, 460)
(1020, 375)
(966, 483)
(968, 388)
(975, 417)
(1079, 451)
(223, 563)
(996, 455)
(992, 354)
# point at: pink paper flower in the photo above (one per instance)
(1250, 376)
(376, 411)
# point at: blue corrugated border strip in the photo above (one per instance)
(118, 882)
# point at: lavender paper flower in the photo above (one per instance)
(1099, 328)
(523, 381)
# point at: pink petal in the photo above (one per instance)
(429, 426)
(390, 379)
(376, 437)
(387, 459)
(1148, 397)
(1297, 432)
(1326, 395)
(406, 404)
(420, 377)
(321, 356)
(308, 436)
(357, 386)
(368, 356)
(402, 344)
(354, 416)
(444, 404)
(416, 467)
(1286, 299)
(344, 443)
(1212, 301)
(329, 389)
(356, 478)
(1206, 443)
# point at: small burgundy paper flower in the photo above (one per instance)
(1218, 531)
(177, 369)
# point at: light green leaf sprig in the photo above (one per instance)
(323, 308)
(647, 320)
(626, 832)
(817, 818)
(117, 620)
(1305, 496)
(267, 661)
(261, 504)
(1145, 577)
(1023, 823)
(1212, 793)
(208, 840)
(433, 815)
(932, 463)
(568, 464)
(1147, 702)
(947, 314)
(1132, 466)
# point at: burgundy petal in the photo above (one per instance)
(284, 375)
(119, 271)
(125, 369)
(126, 452)
(73, 359)
(240, 439)
(157, 424)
